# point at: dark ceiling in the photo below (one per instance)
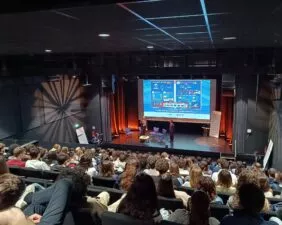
(165, 24)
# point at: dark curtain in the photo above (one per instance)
(124, 107)
(226, 108)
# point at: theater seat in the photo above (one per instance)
(224, 197)
(170, 203)
(82, 216)
(15, 170)
(274, 200)
(110, 218)
(219, 211)
(32, 180)
(49, 175)
(188, 190)
(103, 181)
(30, 172)
(115, 194)
(165, 222)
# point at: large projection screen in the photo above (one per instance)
(188, 101)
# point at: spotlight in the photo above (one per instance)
(104, 35)
(48, 50)
(150, 46)
(76, 125)
(229, 38)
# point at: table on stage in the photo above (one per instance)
(144, 138)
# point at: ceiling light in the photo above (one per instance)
(150, 46)
(104, 35)
(48, 50)
(229, 38)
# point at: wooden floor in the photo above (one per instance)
(181, 141)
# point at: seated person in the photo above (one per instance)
(207, 185)
(224, 183)
(197, 212)
(252, 201)
(273, 180)
(264, 186)
(165, 189)
(151, 162)
(18, 154)
(224, 164)
(11, 188)
(62, 161)
(3, 166)
(86, 164)
(107, 170)
(141, 200)
(246, 177)
(183, 167)
(120, 162)
(195, 174)
(35, 161)
(174, 172)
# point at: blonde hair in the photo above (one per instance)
(195, 175)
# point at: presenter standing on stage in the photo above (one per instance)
(171, 131)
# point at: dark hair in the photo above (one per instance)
(141, 200)
(203, 165)
(142, 162)
(224, 179)
(199, 208)
(79, 179)
(162, 165)
(165, 186)
(272, 172)
(11, 189)
(107, 168)
(224, 164)
(251, 198)
(85, 161)
(12, 147)
(174, 169)
(263, 183)
(34, 152)
(151, 161)
(207, 185)
(62, 158)
(130, 171)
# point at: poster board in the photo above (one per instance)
(82, 139)
(215, 124)
(268, 153)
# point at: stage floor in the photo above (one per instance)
(181, 142)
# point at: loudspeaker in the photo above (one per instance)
(228, 82)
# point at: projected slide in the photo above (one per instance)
(184, 99)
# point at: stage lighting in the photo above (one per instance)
(229, 38)
(150, 47)
(48, 50)
(103, 35)
(76, 125)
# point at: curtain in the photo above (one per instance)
(226, 107)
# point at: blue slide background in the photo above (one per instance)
(164, 89)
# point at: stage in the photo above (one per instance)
(183, 144)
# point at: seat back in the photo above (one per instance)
(30, 172)
(276, 193)
(188, 190)
(103, 181)
(110, 218)
(170, 203)
(166, 222)
(224, 197)
(49, 175)
(115, 194)
(82, 216)
(15, 170)
(32, 180)
(219, 211)
(274, 200)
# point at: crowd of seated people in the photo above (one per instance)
(141, 178)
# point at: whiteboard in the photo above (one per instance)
(82, 139)
(268, 153)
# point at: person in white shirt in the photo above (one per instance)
(35, 162)
(151, 161)
(86, 163)
(224, 164)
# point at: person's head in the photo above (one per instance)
(263, 183)
(251, 198)
(19, 153)
(189, 163)
(247, 177)
(80, 181)
(78, 151)
(224, 164)
(257, 166)
(195, 175)
(62, 158)
(2, 148)
(272, 172)
(122, 157)
(199, 207)
(34, 152)
(224, 179)
(151, 161)
(142, 162)
(203, 165)
(174, 169)
(207, 185)
(11, 189)
(182, 163)
(141, 200)
(165, 186)
(3, 166)
(162, 165)
(107, 168)
(85, 162)
(164, 155)
(131, 169)
(65, 150)
(12, 147)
